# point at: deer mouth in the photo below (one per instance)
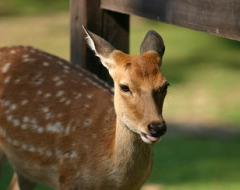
(149, 138)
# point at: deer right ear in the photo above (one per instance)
(153, 42)
(101, 47)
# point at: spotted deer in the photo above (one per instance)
(63, 127)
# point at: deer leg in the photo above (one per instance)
(24, 183)
(14, 183)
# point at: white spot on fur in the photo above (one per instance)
(73, 155)
(7, 79)
(9, 117)
(80, 74)
(39, 92)
(62, 99)
(15, 143)
(56, 78)
(9, 140)
(18, 80)
(68, 102)
(40, 130)
(58, 153)
(67, 130)
(16, 122)
(31, 148)
(89, 96)
(46, 64)
(26, 119)
(13, 107)
(24, 147)
(60, 93)
(25, 56)
(12, 51)
(66, 71)
(5, 103)
(24, 102)
(79, 95)
(66, 67)
(6, 67)
(45, 109)
(47, 95)
(48, 116)
(3, 132)
(60, 62)
(39, 81)
(24, 126)
(59, 83)
(87, 122)
(56, 128)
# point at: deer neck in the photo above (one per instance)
(131, 153)
(128, 142)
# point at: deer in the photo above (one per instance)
(62, 126)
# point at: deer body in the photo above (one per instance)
(59, 125)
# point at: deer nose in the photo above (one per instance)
(156, 129)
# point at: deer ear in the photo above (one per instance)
(152, 42)
(101, 47)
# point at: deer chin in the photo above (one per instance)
(149, 139)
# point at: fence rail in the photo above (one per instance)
(218, 17)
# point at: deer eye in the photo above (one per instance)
(124, 88)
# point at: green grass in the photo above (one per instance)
(203, 71)
(184, 162)
(32, 7)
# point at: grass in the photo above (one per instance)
(197, 163)
(203, 71)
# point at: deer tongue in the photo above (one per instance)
(153, 139)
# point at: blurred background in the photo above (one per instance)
(202, 147)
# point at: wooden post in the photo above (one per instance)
(114, 27)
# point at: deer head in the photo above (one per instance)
(139, 86)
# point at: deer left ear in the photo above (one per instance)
(153, 42)
(101, 47)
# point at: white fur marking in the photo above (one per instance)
(24, 102)
(16, 122)
(12, 51)
(47, 95)
(13, 107)
(7, 79)
(46, 64)
(59, 83)
(45, 109)
(87, 122)
(26, 119)
(6, 67)
(60, 93)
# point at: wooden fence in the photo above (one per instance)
(110, 19)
